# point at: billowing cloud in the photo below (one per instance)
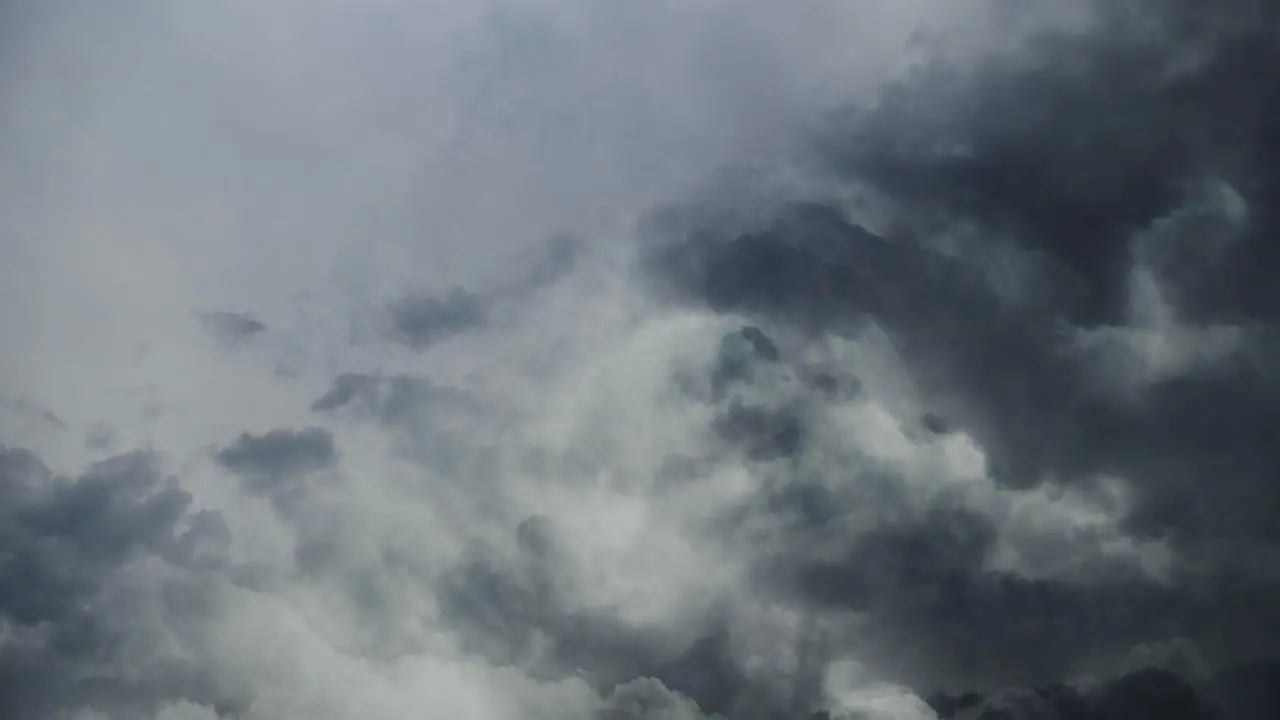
(725, 360)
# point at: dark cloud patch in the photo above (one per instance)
(938, 614)
(935, 423)
(833, 385)
(1055, 244)
(764, 433)
(232, 328)
(1243, 692)
(68, 548)
(738, 355)
(280, 452)
(1250, 691)
(350, 389)
(1014, 203)
(419, 321)
(816, 270)
(277, 463)
(1072, 150)
(803, 268)
(900, 561)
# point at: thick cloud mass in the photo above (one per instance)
(680, 361)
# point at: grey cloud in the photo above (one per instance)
(419, 321)
(278, 463)
(1055, 161)
(232, 328)
(397, 400)
(1002, 210)
(280, 452)
(349, 389)
(738, 355)
(936, 611)
(765, 433)
(649, 699)
(1244, 691)
(969, 175)
(120, 508)
(560, 254)
(525, 612)
(27, 409)
(1009, 209)
(67, 550)
(100, 436)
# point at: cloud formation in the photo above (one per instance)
(683, 361)
(232, 328)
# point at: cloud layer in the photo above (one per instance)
(682, 361)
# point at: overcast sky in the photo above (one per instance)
(573, 359)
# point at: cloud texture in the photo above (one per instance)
(580, 360)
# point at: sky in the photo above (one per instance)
(586, 360)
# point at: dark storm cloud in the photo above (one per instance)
(939, 616)
(419, 321)
(67, 548)
(1242, 692)
(232, 328)
(1062, 159)
(1071, 164)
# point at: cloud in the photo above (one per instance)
(1071, 223)
(992, 219)
(232, 328)
(648, 698)
(78, 555)
(280, 452)
(1142, 693)
(349, 388)
(277, 463)
(715, 360)
(420, 321)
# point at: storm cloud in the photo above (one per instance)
(736, 361)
